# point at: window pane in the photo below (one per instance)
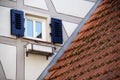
(38, 29)
(29, 28)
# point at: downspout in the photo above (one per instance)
(68, 42)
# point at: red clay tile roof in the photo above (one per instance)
(95, 53)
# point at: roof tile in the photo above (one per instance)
(95, 52)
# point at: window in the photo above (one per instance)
(35, 28)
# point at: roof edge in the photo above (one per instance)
(68, 42)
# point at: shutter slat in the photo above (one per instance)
(17, 23)
(56, 29)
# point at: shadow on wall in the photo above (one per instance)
(2, 74)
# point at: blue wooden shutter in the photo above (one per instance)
(17, 23)
(56, 31)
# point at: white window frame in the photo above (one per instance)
(36, 19)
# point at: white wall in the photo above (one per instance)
(77, 8)
(36, 3)
(34, 65)
(69, 27)
(5, 21)
(8, 59)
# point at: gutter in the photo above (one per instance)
(68, 42)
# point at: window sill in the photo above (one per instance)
(37, 40)
(40, 41)
(47, 54)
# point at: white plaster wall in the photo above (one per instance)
(5, 21)
(69, 27)
(34, 65)
(8, 59)
(77, 8)
(36, 3)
